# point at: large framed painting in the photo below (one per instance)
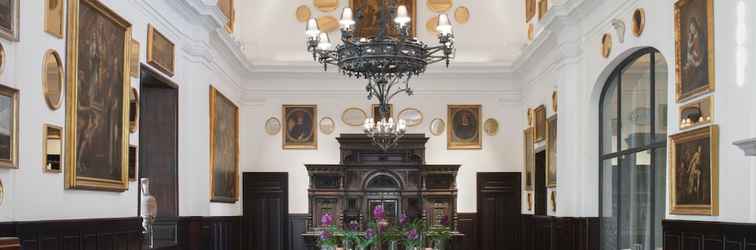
(551, 151)
(368, 14)
(529, 157)
(161, 52)
(694, 48)
(8, 127)
(97, 97)
(299, 127)
(694, 172)
(540, 123)
(464, 127)
(224, 148)
(530, 10)
(543, 8)
(9, 19)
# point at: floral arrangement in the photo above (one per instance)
(412, 231)
(328, 236)
(441, 233)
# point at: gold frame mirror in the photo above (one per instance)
(53, 148)
(133, 110)
(52, 79)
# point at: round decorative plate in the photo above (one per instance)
(354, 117)
(606, 45)
(2, 58)
(491, 126)
(531, 32)
(431, 25)
(272, 126)
(462, 15)
(439, 6)
(2, 193)
(328, 24)
(639, 22)
(52, 79)
(412, 116)
(437, 127)
(303, 13)
(327, 126)
(326, 5)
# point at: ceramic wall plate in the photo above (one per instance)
(272, 126)
(437, 127)
(439, 6)
(431, 25)
(491, 126)
(412, 116)
(328, 24)
(462, 15)
(2, 58)
(52, 79)
(639, 22)
(326, 5)
(327, 125)
(303, 13)
(606, 45)
(2, 193)
(354, 117)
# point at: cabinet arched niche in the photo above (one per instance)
(398, 179)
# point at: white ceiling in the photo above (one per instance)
(272, 35)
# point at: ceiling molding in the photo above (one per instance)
(261, 96)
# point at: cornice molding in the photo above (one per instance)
(260, 96)
(315, 71)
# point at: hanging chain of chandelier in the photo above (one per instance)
(386, 62)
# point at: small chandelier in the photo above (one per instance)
(385, 133)
(386, 62)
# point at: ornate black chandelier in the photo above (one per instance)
(387, 62)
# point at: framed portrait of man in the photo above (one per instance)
(299, 127)
(97, 98)
(694, 172)
(380, 116)
(464, 127)
(694, 48)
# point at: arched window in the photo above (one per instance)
(633, 155)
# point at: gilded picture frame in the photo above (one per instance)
(464, 130)
(413, 117)
(378, 115)
(606, 45)
(543, 8)
(224, 148)
(10, 20)
(9, 113)
(134, 59)
(530, 10)
(539, 114)
(299, 126)
(52, 79)
(639, 22)
(695, 72)
(369, 27)
(551, 151)
(96, 144)
(54, 14)
(48, 143)
(346, 117)
(694, 172)
(161, 52)
(529, 158)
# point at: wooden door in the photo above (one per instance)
(266, 210)
(541, 192)
(499, 211)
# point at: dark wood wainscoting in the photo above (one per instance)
(210, 233)
(499, 211)
(559, 233)
(694, 235)
(95, 234)
(468, 225)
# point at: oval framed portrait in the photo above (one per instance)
(412, 116)
(327, 125)
(272, 126)
(437, 127)
(639, 22)
(354, 117)
(491, 126)
(52, 79)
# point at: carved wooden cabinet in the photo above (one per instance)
(399, 179)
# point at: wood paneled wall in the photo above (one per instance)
(559, 233)
(694, 235)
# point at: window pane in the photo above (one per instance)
(609, 118)
(661, 76)
(636, 103)
(636, 200)
(609, 204)
(660, 167)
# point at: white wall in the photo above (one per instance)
(333, 94)
(203, 57)
(574, 65)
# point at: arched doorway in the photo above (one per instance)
(632, 153)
